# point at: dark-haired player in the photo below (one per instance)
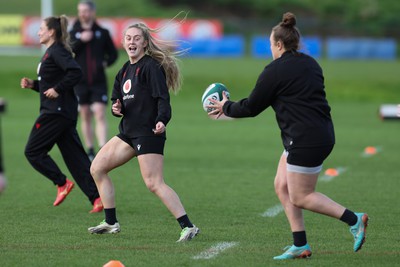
(57, 73)
(293, 85)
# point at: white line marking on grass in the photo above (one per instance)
(273, 211)
(214, 250)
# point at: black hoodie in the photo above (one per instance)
(91, 55)
(293, 85)
(57, 69)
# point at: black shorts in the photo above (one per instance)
(308, 156)
(145, 144)
(88, 95)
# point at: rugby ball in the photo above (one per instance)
(213, 91)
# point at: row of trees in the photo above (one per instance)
(378, 18)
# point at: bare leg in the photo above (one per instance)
(302, 194)
(113, 154)
(151, 167)
(86, 120)
(296, 191)
(293, 213)
(99, 110)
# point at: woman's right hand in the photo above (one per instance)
(116, 108)
(26, 83)
(217, 106)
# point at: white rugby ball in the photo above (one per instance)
(213, 91)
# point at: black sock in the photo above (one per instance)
(90, 151)
(349, 217)
(184, 221)
(111, 217)
(299, 238)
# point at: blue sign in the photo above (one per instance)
(260, 46)
(226, 46)
(361, 48)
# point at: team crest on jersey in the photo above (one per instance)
(127, 86)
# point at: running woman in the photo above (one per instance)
(57, 73)
(141, 97)
(293, 84)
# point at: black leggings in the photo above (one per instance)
(49, 130)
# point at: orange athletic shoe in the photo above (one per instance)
(97, 206)
(63, 191)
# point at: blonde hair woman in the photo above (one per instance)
(141, 97)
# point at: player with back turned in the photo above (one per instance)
(293, 85)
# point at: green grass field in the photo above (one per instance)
(222, 170)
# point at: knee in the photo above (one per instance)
(28, 154)
(96, 170)
(31, 155)
(297, 200)
(280, 186)
(153, 186)
(101, 117)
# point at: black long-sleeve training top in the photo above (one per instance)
(294, 86)
(143, 92)
(92, 55)
(57, 69)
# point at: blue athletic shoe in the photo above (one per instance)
(294, 252)
(358, 230)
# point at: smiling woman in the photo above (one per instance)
(141, 97)
(58, 73)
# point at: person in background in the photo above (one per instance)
(141, 97)
(3, 181)
(95, 51)
(293, 85)
(58, 73)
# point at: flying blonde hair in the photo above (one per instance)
(164, 51)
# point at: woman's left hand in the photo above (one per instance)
(51, 93)
(160, 128)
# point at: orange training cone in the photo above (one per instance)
(332, 172)
(370, 150)
(114, 263)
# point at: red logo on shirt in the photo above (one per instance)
(127, 86)
(45, 57)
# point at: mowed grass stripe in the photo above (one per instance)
(223, 171)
